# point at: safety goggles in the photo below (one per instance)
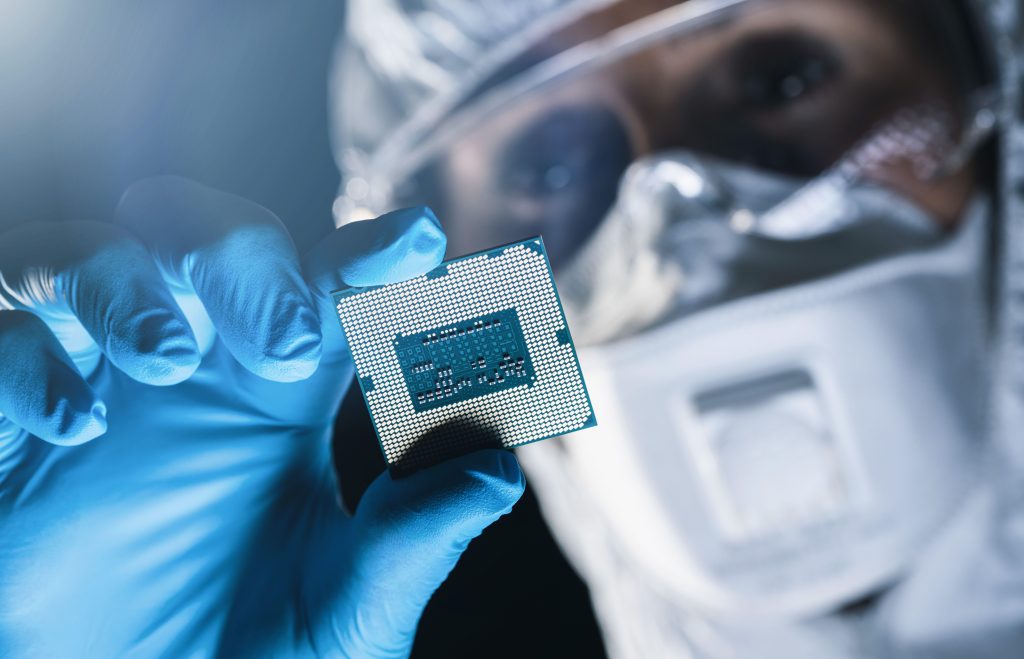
(831, 93)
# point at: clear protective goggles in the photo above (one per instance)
(831, 93)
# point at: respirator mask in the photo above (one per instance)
(775, 452)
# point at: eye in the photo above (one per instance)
(772, 71)
(567, 151)
(776, 87)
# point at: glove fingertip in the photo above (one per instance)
(500, 478)
(73, 428)
(176, 364)
(426, 240)
(395, 247)
(461, 496)
(290, 370)
(291, 359)
(167, 359)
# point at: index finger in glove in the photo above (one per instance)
(240, 261)
(105, 278)
(392, 248)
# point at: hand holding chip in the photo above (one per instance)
(186, 342)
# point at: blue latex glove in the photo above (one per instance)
(179, 500)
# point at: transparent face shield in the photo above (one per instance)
(825, 96)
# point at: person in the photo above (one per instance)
(788, 238)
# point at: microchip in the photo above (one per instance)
(474, 354)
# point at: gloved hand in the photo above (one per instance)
(179, 499)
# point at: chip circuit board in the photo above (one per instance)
(476, 353)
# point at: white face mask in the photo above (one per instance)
(787, 452)
(688, 232)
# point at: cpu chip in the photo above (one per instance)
(474, 354)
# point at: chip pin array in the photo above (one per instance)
(426, 402)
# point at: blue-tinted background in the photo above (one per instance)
(98, 94)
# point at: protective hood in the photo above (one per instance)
(1000, 23)
(433, 50)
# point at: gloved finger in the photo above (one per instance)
(392, 248)
(240, 261)
(410, 533)
(41, 391)
(108, 281)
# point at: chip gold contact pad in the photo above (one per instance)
(464, 360)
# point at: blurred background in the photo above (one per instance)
(98, 95)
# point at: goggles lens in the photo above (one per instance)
(849, 89)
